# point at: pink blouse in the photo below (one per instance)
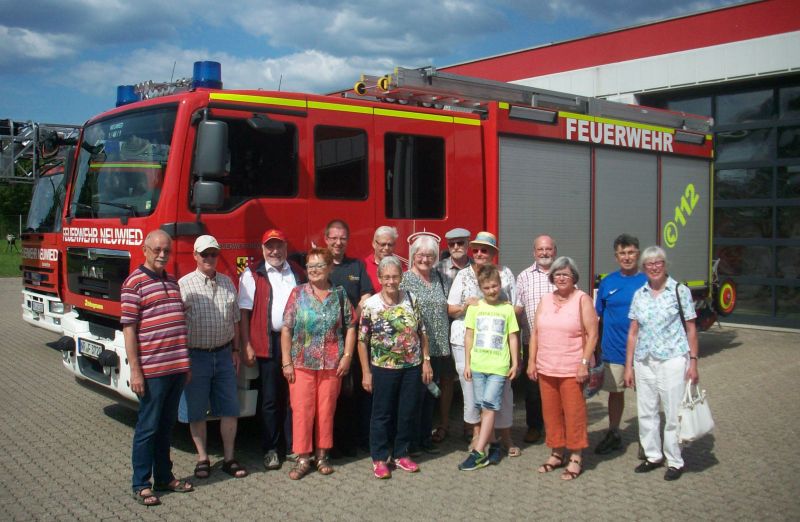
(559, 335)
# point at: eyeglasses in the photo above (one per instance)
(212, 255)
(419, 255)
(654, 264)
(159, 250)
(562, 275)
(388, 244)
(316, 266)
(482, 250)
(456, 243)
(627, 253)
(334, 239)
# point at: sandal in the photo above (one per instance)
(324, 465)
(301, 468)
(234, 469)
(513, 451)
(439, 434)
(203, 469)
(572, 475)
(547, 467)
(146, 499)
(176, 486)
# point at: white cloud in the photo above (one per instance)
(20, 44)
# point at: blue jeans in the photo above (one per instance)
(395, 405)
(158, 411)
(213, 384)
(276, 415)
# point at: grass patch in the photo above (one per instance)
(9, 263)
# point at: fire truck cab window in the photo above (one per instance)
(415, 176)
(260, 164)
(121, 165)
(340, 159)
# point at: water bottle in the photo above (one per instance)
(434, 389)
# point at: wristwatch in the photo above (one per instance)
(585, 362)
(427, 357)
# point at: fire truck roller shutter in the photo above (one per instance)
(626, 199)
(544, 189)
(684, 228)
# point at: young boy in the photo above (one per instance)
(491, 357)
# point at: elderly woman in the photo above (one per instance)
(465, 292)
(562, 341)
(317, 341)
(393, 349)
(426, 284)
(661, 356)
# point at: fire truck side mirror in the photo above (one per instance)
(210, 154)
(207, 195)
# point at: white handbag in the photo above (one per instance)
(694, 415)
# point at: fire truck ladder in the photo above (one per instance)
(427, 87)
(29, 148)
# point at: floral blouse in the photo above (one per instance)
(392, 332)
(316, 326)
(661, 334)
(433, 305)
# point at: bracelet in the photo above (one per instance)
(287, 365)
(346, 355)
(692, 357)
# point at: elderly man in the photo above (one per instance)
(263, 294)
(613, 303)
(458, 260)
(457, 243)
(532, 284)
(351, 421)
(212, 315)
(383, 242)
(154, 328)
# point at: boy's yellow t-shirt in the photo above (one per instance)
(491, 325)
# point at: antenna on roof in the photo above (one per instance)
(280, 81)
(171, 76)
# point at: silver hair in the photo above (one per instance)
(561, 263)
(653, 253)
(389, 260)
(385, 231)
(424, 243)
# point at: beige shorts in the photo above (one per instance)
(614, 378)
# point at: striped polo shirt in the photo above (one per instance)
(154, 303)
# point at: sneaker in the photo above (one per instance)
(612, 441)
(475, 460)
(381, 470)
(647, 466)
(673, 473)
(271, 460)
(406, 464)
(494, 453)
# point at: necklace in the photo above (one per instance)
(321, 295)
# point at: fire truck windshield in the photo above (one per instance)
(121, 165)
(48, 198)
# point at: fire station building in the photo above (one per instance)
(738, 64)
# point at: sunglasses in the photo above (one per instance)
(482, 250)
(459, 242)
(212, 255)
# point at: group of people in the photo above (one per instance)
(415, 332)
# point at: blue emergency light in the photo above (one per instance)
(126, 94)
(207, 74)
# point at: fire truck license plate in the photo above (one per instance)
(37, 307)
(89, 348)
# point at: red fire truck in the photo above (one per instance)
(40, 152)
(418, 150)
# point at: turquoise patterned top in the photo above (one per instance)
(661, 334)
(433, 305)
(317, 342)
(392, 332)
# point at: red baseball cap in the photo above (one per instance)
(273, 233)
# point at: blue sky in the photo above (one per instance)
(62, 60)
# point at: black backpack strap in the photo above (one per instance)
(339, 291)
(680, 306)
